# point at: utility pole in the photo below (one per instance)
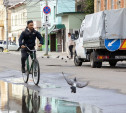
(6, 22)
(46, 35)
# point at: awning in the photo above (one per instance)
(53, 29)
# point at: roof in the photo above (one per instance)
(69, 13)
(17, 5)
(13, 2)
(54, 28)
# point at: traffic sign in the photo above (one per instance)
(46, 25)
(123, 46)
(46, 10)
(112, 44)
(46, 18)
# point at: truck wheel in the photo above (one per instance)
(77, 62)
(113, 63)
(1, 49)
(99, 64)
(92, 60)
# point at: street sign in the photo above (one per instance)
(112, 44)
(46, 18)
(46, 10)
(46, 25)
(123, 46)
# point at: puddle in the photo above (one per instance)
(19, 99)
(15, 98)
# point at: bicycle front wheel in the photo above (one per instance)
(26, 74)
(36, 72)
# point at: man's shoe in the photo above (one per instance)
(23, 70)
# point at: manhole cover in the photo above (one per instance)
(53, 65)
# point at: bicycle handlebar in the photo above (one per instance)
(30, 49)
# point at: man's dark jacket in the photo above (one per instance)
(28, 38)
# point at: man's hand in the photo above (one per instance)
(39, 45)
(23, 46)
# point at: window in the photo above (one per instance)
(119, 4)
(112, 4)
(98, 5)
(81, 34)
(15, 20)
(78, 8)
(105, 4)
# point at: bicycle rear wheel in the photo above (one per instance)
(36, 72)
(26, 74)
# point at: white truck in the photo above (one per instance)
(102, 38)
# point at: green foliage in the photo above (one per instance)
(89, 6)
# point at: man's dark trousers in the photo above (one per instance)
(71, 50)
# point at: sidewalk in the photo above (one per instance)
(60, 55)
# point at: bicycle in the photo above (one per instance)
(34, 69)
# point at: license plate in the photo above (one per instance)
(120, 57)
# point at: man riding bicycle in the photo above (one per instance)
(27, 38)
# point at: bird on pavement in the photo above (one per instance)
(61, 58)
(57, 56)
(67, 57)
(75, 84)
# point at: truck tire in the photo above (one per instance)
(77, 62)
(1, 49)
(99, 64)
(94, 64)
(112, 63)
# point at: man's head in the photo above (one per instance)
(69, 34)
(30, 24)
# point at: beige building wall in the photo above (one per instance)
(18, 21)
(2, 21)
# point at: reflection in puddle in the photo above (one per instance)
(19, 99)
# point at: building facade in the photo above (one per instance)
(20, 14)
(100, 5)
(3, 22)
(2, 16)
(56, 30)
(72, 22)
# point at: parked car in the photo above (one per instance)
(1, 41)
(11, 46)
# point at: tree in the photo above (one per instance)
(89, 6)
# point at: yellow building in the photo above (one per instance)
(2, 21)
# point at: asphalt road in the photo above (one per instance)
(106, 90)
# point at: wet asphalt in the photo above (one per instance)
(53, 94)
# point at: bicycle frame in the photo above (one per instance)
(29, 68)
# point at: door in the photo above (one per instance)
(53, 43)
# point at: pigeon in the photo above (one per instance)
(67, 57)
(57, 56)
(47, 56)
(66, 61)
(74, 83)
(42, 57)
(61, 58)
